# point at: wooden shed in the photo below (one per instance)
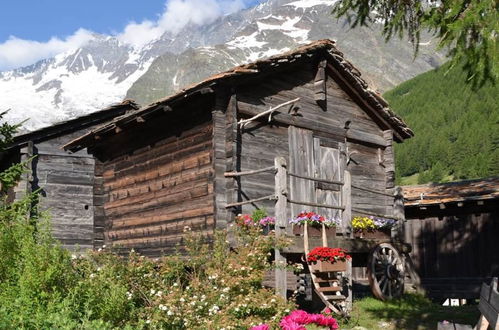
(65, 180)
(165, 166)
(454, 230)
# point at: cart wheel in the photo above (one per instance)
(385, 270)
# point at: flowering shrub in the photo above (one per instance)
(327, 254)
(314, 219)
(371, 223)
(245, 220)
(259, 217)
(299, 318)
(43, 286)
(267, 221)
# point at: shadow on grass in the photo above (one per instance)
(409, 312)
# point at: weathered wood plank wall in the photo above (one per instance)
(260, 142)
(454, 254)
(157, 190)
(66, 182)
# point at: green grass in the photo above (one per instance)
(410, 312)
(409, 180)
(414, 179)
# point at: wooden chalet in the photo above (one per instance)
(229, 144)
(65, 180)
(453, 229)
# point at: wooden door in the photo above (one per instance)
(301, 162)
(327, 166)
(315, 157)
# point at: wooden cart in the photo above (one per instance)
(387, 259)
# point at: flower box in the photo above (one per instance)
(327, 266)
(373, 234)
(313, 231)
(326, 259)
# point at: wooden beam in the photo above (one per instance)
(269, 112)
(236, 174)
(320, 89)
(356, 245)
(388, 159)
(346, 199)
(219, 159)
(281, 224)
(315, 179)
(268, 197)
(325, 130)
(372, 191)
(316, 204)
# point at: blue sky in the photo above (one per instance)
(42, 19)
(34, 29)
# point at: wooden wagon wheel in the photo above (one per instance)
(385, 270)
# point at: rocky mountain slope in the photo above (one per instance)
(105, 71)
(277, 26)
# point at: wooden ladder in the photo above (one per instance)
(326, 284)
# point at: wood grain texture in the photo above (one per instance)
(159, 189)
(301, 162)
(455, 253)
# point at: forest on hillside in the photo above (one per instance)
(456, 127)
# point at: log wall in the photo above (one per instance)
(157, 190)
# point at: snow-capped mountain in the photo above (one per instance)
(72, 83)
(105, 70)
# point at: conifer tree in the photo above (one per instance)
(468, 28)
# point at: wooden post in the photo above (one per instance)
(398, 213)
(398, 234)
(281, 223)
(219, 160)
(231, 152)
(24, 186)
(349, 298)
(388, 161)
(346, 197)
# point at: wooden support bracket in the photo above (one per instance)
(269, 112)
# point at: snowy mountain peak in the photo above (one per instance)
(105, 70)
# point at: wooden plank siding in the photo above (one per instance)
(453, 254)
(261, 141)
(66, 185)
(155, 191)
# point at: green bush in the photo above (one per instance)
(44, 286)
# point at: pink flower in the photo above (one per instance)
(261, 327)
(287, 323)
(298, 318)
(301, 317)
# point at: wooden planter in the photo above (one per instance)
(326, 266)
(313, 231)
(373, 234)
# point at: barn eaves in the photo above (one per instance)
(325, 49)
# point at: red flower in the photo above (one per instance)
(327, 254)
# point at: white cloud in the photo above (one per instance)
(177, 14)
(17, 52)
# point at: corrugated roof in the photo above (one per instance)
(460, 191)
(325, 47)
